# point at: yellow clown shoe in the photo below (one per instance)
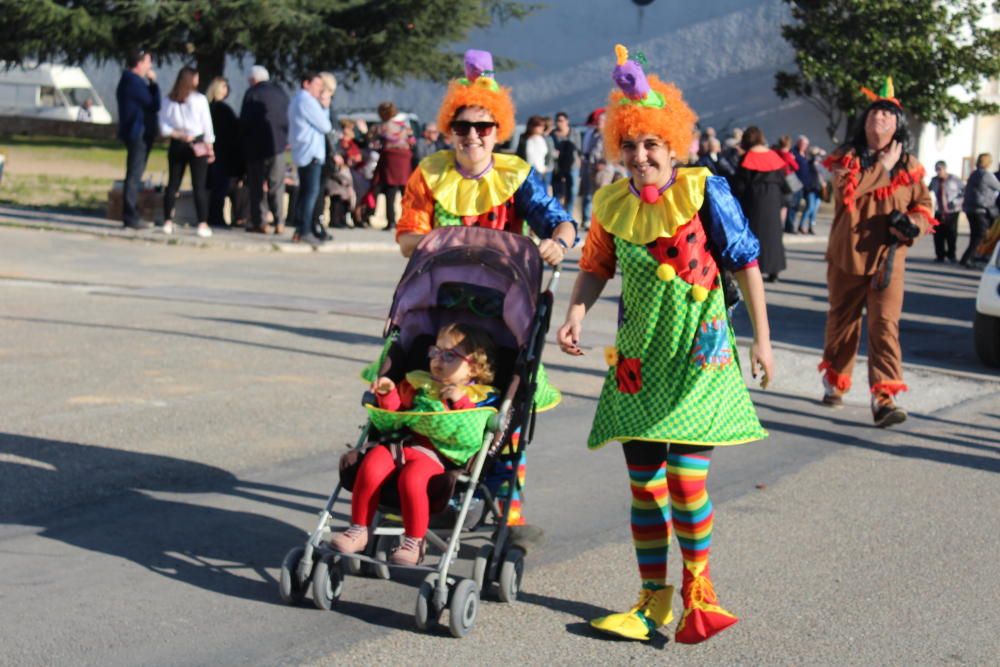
(703, 617)
(653, 610)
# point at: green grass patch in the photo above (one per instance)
(69, 150)
(82, 193)
(65, 173)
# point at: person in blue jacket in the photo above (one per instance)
(138, 104)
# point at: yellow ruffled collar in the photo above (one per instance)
(422, 381)
(466, 196)
(626, 216)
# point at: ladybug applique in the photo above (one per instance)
(686, 254)
(501, 216)
(628, 373)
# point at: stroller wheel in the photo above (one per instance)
(383, 547)
(510, 574)
(328, 584)
(352, 566)
(463, 607)
(481, 566)
(289, 587)
(426, 614)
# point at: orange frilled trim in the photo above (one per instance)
(838, 381)
(852, 165)
(901, 179)
(926, 212)
(891, 387)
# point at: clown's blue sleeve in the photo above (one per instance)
(538, 208)
(734, 245)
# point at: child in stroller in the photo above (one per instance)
(474, 278)
(461, 366)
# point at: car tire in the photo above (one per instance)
(987, 334)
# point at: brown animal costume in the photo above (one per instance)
(860, 274)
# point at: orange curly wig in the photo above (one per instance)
(674, 123)
(479, 94)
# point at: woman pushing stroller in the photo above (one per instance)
(470, 185)
(461, 368)
(674, 390)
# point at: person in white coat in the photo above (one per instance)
(186, 119)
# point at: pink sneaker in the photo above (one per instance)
(411, 552)
(351, 541)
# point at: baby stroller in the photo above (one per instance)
(456, 274)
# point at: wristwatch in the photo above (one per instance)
(562, 243)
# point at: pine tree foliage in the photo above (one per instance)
(931, 48)
(386, 40)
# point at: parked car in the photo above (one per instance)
(986, 327)
(371, 117)
(49, 91)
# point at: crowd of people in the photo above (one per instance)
(339, 166)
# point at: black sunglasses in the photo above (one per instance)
(462, 127)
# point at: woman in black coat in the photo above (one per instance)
(227, 172)
(761, 188)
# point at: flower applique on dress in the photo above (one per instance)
(711, 346)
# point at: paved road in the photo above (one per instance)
(172, 418)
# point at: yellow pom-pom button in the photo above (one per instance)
(699, 293)
(611, 356)
(666, 273)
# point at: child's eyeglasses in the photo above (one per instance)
(447, 356)
(462, 127)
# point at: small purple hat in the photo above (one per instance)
(478, 63)
(631, 79)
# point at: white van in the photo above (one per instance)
(49, 91)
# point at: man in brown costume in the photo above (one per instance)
(882, 206)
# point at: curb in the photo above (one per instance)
(180, 238)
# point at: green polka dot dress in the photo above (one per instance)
(675, 376)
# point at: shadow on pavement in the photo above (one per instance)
(220, 550)
(332, 335)
(186, 334)
(585, 611)
(839, 431)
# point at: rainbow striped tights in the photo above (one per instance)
(668, 495)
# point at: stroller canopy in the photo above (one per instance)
(503, 263)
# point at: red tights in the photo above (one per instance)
(377, 465)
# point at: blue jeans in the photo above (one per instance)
(564, 188)
(309, 182)
(587, 204)
(793, 208)
(809, 215)
(576, 189)
(137, 152)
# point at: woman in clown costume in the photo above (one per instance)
(675, 390)
(470, 185)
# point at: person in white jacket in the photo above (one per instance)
(185, 118)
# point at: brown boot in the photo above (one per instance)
(832, 397)
(885, 412)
